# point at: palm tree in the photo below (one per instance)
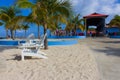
(34, 16)
(55, 10)
(36, 20)
(78, 23)
(69, 26)
(75, 23)
(4, 18)
(11, 18)
(25, 28)
(115, 21)
(49, 11)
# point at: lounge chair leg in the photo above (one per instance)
(44, 57)
(22, 57)
(40, 52)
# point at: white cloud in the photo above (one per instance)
(85, 7)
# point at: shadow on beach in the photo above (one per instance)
(114, 42)
(18, 58)
(15, 57)
(109, 51)
(105, 46)
(2, 48)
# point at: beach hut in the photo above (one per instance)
(95, 19)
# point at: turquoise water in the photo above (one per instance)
(50, 43)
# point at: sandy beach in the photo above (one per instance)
(107, 54)
(83, 40)
(74, 62)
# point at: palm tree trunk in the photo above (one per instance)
(7, 36)
(15, 34)
(12, 34)
(75, 30)
(25, 33)
(45, 41)
(69, 33)
(38, 31)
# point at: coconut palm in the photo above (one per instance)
(34, 16)
(25, 28)
(69, 26)
(34, 20)
(10, 16)
(50, 12)
(115, 21)
(4, 18)
(54, 10)
(78, 23)
(75, 23)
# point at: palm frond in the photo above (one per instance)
(24, 4)
(4, 17)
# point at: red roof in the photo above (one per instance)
(95, 15)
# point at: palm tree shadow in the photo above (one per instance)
(109, 51)
(114, 42)
(2, 48)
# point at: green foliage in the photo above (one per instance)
(11, 18)
(74, 23)
(24, 4)
(25, 27)
(48, 13)
(115, 21)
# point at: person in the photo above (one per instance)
(73, 33)
(8, 36)
(90, 34)
(115, 33)
(57, 32)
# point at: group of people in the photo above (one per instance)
(60, 32)
(92, 34)
(65, 33)
(112, 34)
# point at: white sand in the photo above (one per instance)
(107, 54)
(74, 62)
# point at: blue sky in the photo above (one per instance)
(6, 2)
(84, 7)
(33, 28)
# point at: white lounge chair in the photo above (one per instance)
(33, 52)
(41, 42)
(29, 51)
(34, 42)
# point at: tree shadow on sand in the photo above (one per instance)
(2, 48)
(109, 51)
(114, 42)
